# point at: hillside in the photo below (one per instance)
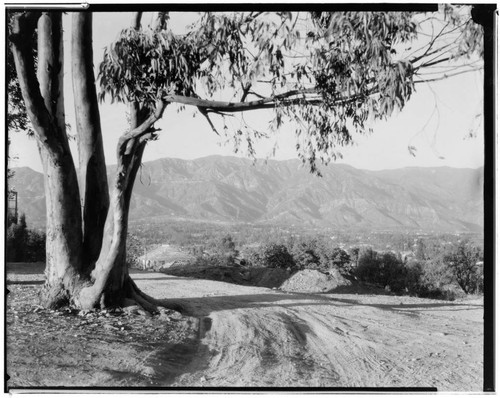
(232, 189)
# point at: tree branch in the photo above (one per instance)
(204, 113)
(143, 128)
(445, 76)
(137, 20)
(264, 103)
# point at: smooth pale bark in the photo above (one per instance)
(43, 94)
(71, 250)
(111, 283)
(92, 167)
(64, 237)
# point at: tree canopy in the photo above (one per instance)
(331, 74)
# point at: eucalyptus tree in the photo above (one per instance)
(329, 74)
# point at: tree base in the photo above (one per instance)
(130, 298)
(54, 296)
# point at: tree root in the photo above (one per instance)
(130, 298)
(136, 297)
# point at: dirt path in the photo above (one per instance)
(249, 337)
(257, 337)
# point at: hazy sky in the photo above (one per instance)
(436, 121)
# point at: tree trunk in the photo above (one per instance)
(86, 239)
(93, 180)
(64, 250)
(43, 94)
(111, 283)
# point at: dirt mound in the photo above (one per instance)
(313, 281)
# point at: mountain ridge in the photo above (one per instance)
(231, 189)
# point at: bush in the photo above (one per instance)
(436, 274)
(305, 254)
(215, 260)
(465, 263)
(382, 269)
(225, 246)
(271, 255)
(23, 244)
(334, 257)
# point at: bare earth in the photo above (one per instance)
(258, 337)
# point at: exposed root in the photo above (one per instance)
(136, 297)
(87, 297)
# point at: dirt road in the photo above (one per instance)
(257, 337)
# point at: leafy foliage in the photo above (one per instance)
(23, 244)
(464, 261)
(17, 118)
(330, 74)
(306, 254)
(335, 257)
(272, 255)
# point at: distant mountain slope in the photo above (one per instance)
(231, 189)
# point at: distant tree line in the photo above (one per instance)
(23, 244)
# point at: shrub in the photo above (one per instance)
(368, 268)
(305, 254)
(465, 262)
(215, 260)
(271, 255)
(225, 246)
(35, 246)
(436, 274)
(23, 244)
(382, 269)
(334, 257)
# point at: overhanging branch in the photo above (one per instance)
(289, 98)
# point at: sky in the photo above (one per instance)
(437, 121)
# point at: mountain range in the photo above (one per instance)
(231, 189)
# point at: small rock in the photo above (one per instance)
(203, 379)
(148, 371)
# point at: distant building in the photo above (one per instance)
(164, 256)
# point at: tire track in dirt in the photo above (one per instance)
(257, 337)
